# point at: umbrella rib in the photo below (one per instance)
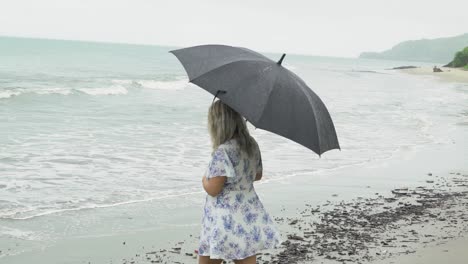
(313, 111)
(308, 98)
(268, 99)
(199, 76)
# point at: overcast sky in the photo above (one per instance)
(318, 27)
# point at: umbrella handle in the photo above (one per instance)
(218, 92)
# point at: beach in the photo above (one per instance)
(102, 161)
(447, 74)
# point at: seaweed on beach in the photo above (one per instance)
(373, 228)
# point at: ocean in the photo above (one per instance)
(87, 126)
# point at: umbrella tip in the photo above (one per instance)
(281, 60)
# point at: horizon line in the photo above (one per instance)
(168, 46)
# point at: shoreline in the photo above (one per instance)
(449, 74)
(174, 234)
(167, 230)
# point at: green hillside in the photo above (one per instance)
(460, 59)
(425, 50)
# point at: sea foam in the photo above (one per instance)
(178, 84)
(8, 94)
(112, 90)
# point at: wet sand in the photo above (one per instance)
(453, 252)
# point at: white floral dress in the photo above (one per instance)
(235, 224)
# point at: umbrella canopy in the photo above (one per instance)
(268, 95)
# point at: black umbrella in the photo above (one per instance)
(268, 95)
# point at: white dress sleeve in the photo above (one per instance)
(220, 165)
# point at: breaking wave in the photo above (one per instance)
(118, 87)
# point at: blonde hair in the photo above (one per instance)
(224, 123)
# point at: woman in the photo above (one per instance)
(235, 224)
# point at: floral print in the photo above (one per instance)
(235, 224)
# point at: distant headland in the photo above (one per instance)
(439, 50)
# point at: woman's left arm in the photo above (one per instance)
(214, 186)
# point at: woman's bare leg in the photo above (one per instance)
(207, 260)
(249, 260)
